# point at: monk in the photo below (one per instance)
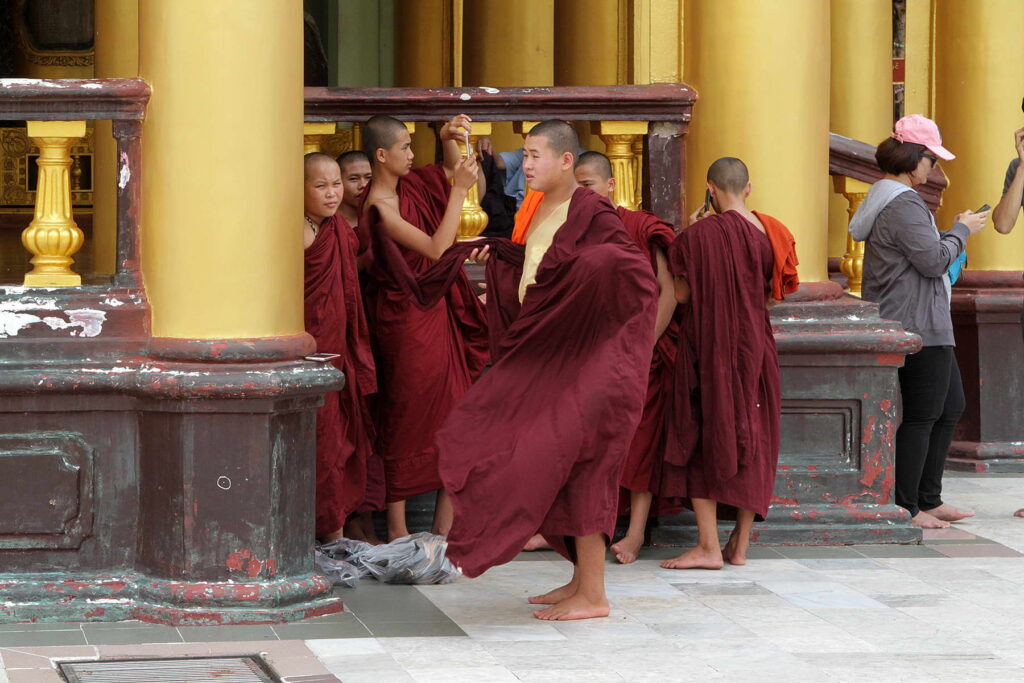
(724, 424)
(538, 443)
(355, 177)
(642, 472)
(426, 358)
(334, 317)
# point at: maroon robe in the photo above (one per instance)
(334, 316)
(642, 471)
(538, 443)
(725, 409)
(426, 358)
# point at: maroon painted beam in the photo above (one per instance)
(657, 102)
(34, 99)
(856, 159)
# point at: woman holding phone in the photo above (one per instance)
(907, 265)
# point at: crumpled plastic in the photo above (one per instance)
(415, 559)
(334, 560)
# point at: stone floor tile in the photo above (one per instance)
(41, 638)
(477, 674)
(349, 629)
(96, 635)
(538, 631)
(213, 634)
(977, 550)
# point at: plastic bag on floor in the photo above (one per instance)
(335, 560)
(415, 559)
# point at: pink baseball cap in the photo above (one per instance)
(923, 131)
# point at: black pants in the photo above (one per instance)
(933, 400)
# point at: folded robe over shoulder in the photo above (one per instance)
(642, 471)
(333, 312)
(725, 409)
(426, 357)
(538, 443)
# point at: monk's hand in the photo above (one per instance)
(465, 175)
(486, 146)
(457, 129)
(697, 215)
(480, 255)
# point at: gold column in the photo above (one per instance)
(852, 264)
(116, 32)
(619, 138)
(861, 92)
(220, 252)
(313, 133)
(508, 44)
(919, 65)
(979, 63)
(428, 54)
(474, 219)
(638, 169)
(52, 236)
(765, 99)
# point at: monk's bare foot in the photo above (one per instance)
(948, 513)
(1019, 513)
(627, 549)
(696, 558)
(926, 521)
(556, 596)
(735, 552)
(536, 542)
(576, 607)
(340, 533)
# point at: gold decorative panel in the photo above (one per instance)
(19, 173)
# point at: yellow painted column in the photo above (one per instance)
(979, 64)
(918, 95)
(508, 44)
(426, 57)
(222, 167)
(861, 91)
(117, 56)
(764, 97)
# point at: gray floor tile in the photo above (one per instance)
(883, 550)
(131, 636)
(341, 629)
(409, 630)
(214, 634)
(40, 626)
(42, 638)
(815, 552)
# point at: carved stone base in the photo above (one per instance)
(132, 487)
(990, 350)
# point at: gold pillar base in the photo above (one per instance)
(619, 139)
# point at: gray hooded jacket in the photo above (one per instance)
(906, 260)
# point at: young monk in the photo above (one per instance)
(642, 472)
(355, 176)
(724, 428)
(334, 316)
(426, 358)
(538, 443)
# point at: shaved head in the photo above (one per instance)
(729, 174)
(314, 159)
(380, 132)
(560, 135)
(596, 163)
(351, 158)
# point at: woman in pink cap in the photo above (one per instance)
(906, 272)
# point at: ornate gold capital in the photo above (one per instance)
(620, 139)
(313, 133)
(53, 237)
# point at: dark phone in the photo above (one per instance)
(984, 207)
(707, 201)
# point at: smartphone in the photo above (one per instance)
(322, 357)
(707, 201)
(984, 207)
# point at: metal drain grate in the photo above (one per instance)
(246, 669)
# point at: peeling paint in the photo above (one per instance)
(89, 319)
(465, 96)
(11, 324)
(125, 173)
(492, 91)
